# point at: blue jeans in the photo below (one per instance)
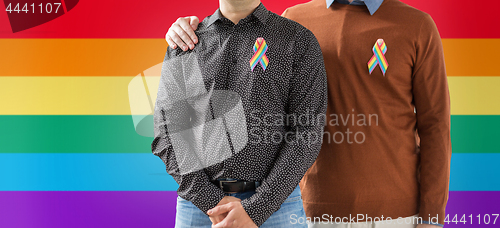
(291, 211)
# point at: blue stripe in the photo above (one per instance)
(84, 172)
(263, 64)
(146, 172)
(475, 172)
(373, 66)
(253, 64)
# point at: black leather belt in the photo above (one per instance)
(235, 186)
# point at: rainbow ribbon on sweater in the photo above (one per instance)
(259, 56)
(378, 58)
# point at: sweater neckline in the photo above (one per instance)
(337, 5)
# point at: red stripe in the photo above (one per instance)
(122, 19)
(151, 19)
(462, 18)
(64, 6)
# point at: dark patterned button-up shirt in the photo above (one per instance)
(248, 102)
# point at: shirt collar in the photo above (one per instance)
(261, 13)
(372, 5)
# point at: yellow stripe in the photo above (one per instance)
(80, 95)
(382, 62)
(372, 61)
(118, 95)
(266, 60)
(64, 95)
(474, 95)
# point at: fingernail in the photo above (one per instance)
(184, 48)
(195, 40)
(209, 212)
(191, 46)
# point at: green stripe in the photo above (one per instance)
(71, 134)
(116, 134)
(475, 133)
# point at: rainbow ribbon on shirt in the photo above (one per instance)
(378, 58)
(259, 56)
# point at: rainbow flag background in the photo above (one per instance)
(70, 155)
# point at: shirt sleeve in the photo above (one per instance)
(432, 103)
(170, 113)
(307, 96)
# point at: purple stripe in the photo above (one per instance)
(157, 208)
(475, 203)
(78, 209)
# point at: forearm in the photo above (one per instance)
(290, 166)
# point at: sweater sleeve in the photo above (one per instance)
(432, 103)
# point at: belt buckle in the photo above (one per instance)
(226, 181)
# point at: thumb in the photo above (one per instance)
(194, 21)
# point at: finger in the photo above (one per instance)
(233, 218)
(170, 42)
(189, 30)
(217, 219)
(183, 35)
(219, 210)
(177, 40)
(226, 223)
(213, 220)
(194, 22)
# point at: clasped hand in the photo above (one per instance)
(229, 213)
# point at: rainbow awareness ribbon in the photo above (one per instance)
(259, 56)
(378, 58)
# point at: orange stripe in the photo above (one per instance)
(129, 57)
(79, 57)
(472, 57)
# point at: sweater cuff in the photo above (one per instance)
(208, 197)
(432, 214)
(435, 224)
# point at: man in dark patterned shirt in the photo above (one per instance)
(239, 118)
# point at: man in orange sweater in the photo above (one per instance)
(386, 149)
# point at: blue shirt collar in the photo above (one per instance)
(372, 5)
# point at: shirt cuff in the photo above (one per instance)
(208, 197)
